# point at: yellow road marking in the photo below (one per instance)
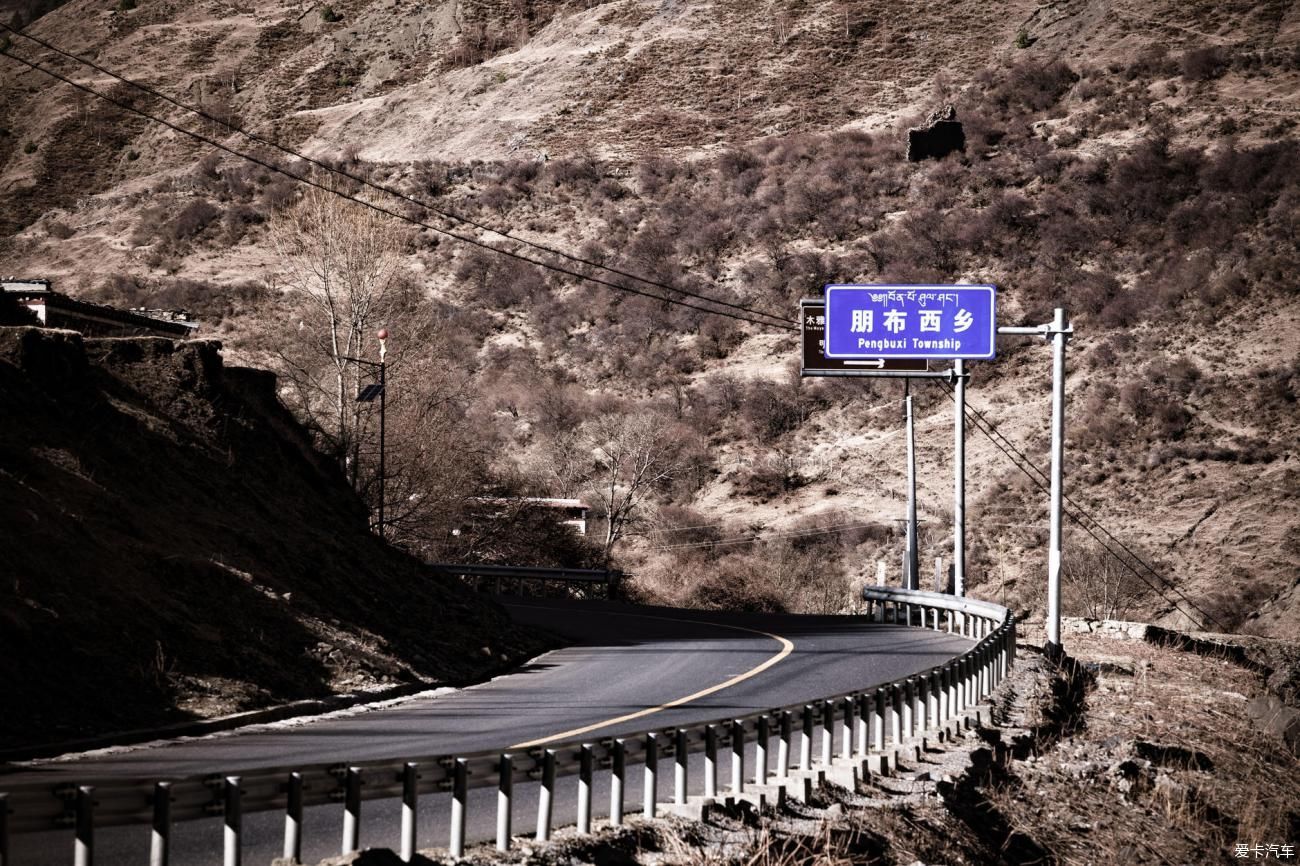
(787, 647)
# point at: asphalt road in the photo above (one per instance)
(629, 668)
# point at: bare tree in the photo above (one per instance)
(635, 456)
(1098, 586)
(341, 259)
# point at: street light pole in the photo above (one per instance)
(367, 395)
(383, 399)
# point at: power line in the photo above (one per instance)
(798, 533)
(1078, 515)
(379, 208)
(382, 187)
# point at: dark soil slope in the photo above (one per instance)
(172, 547)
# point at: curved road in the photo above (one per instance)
(628, 669)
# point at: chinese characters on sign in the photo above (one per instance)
(815, 363)
(1265, 852)
(910, 321)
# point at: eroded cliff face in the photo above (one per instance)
(173, 548)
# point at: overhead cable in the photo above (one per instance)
(383, 188)
(384, 210)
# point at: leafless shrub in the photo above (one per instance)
(1204, 64)
(192, 220)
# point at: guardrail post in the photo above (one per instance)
(293, 819)
(505, 794)
(828, 732)
(161, 837)
(949, 622)
(920, 686)
(945, 708)
(84, 846)
(351, 811)
(650, 792)
(760, 751)
(896, 702)
(972, 682)
(617, 775)
(805, 741)
(234, 822)
(878, 720)
(846, 730)
(738, 756)
(934, 689)
(710, 761)
(681, 770)
(586, 761)
(4, 831)
(546, 796)
(908, 719)
(459, 796)
(863, 732)
(783, 746)
(410, 805)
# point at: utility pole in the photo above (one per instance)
(911, 562)
(367, 395)
(1059, 333)
(383, 401)
(959, 481)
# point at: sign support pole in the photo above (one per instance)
(911, 578)
(1059, 333)
(959, 481)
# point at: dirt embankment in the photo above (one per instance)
(173, 548)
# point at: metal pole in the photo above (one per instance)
(585, 763)
(650, 790)
(84, 850)
(160, 840)
(846, 730)
(805, 741)
(505, 792)
(459, 794)
(351, 811)
(711, 761)
(234, 823)
(383, 399)
(828, 732)
(738, 756)
(618, 770)
(4, 831)
(293, 819)
(680, 772)
(783, 747)
(546, 796)
(912, 563)
(410, 802)
(959, 480)
(1060, 333)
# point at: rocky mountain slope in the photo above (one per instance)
(173, 548)
(1133, 162)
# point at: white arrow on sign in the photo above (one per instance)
(875, 362)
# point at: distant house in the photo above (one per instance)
(55, 310)
(567, 512)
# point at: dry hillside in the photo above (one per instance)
(174, 548)
(1134, 162)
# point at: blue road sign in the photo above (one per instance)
(910, 321)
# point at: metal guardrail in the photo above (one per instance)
(503, 575)
(867, 721)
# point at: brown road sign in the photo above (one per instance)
(812, 324)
